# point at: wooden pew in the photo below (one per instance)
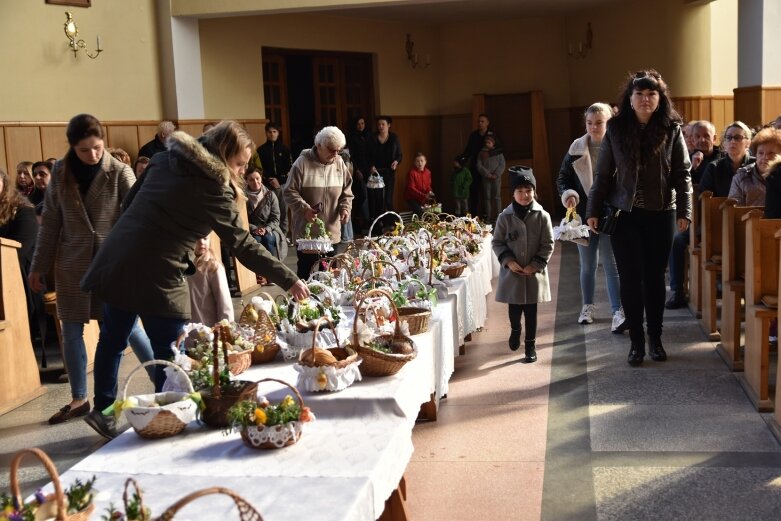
(775, 422)
(711, 258)
(19, 378)
(246, 279)
(695, 264)
(733, 282)
(762, 257)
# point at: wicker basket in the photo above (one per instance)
(379, 218)
(126, 499)
(265, 332)
(166, 420)
(301, 243)
(56, 500)
(274, 436)
(454, 270)
(370, 270)
(246, 511)
(216, 399)
(238, 361)
(377, 363)
(313, 362)
(416, 318)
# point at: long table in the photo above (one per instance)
(347, 463)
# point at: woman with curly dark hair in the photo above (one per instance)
(643, 179)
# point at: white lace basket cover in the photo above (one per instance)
(279, 435)
(142, 412)
(332, 379)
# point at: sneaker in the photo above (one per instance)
(619, 322)
(106, 426)
(586, 314)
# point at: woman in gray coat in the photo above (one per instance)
(523, 243)
(80, 207)
(264, 214)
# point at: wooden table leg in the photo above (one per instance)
(428, 411)
(396, 504)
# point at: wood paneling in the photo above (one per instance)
(719, 110)
(757, 105)
(124, 137)
(21, 144)
(53, 142)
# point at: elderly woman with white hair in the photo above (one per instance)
(319, 185)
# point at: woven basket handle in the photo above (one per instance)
(269, 297)
(218, 335)
(317, 329)
(292, 387)
(427, 234)
(156, 362)
(326, 290)
(59, 496)
(371, 228)
(382, 263)
(126, 498)
(246, 511)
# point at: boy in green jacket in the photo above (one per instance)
(462, 180)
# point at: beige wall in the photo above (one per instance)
(43, 82)
(231, 59)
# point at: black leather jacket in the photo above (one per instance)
(666, 179)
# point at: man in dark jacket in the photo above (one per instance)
(164, 129)
(474, 145)
(275, 161)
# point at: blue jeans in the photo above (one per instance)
(269, 241)
(117, 327)
(589, 260)
(76, 354)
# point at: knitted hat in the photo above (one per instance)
(520, 176)
(461, 159)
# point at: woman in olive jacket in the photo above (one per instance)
(643, 170)
(189, 190)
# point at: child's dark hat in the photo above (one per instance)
(520, 176)
(461, 159)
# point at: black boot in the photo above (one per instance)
(676, 301)
(515, 339)
(531, 352)
(636, 353)
(655, 348)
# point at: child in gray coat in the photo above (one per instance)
(523, 243)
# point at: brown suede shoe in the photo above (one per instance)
(66, 413)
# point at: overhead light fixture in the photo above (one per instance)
(583, 46)
(76, 44)
(413, 57)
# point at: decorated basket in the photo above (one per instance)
(246, 511)
(217, 400)
(379, 363)
(274, 436)
(331, 369)
(54, 506)
(264, 331)
(238, 361)
(417, 318)
(379, 219)
(318, 245)
(158, 415)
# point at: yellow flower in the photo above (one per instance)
(260, 417)
(288, 401)
(395, 252)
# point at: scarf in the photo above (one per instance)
(254, 198)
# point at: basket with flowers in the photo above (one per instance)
(259, 327)
(135, 510)
(73, 504)
(331, 369)
(318, 244)
(266, 426)
(235, 342)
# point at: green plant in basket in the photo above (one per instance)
(79, 495)
(11, 511)
(256, 412)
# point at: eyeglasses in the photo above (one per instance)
(735, 137)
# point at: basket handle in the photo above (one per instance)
(326, 290)
(371, 228)
(292, 387)
(142, 510)
(317, 330)
(59, 496)
(382, 263)
(269, 297)
(246, 511)
(156, 362)
(218, 335)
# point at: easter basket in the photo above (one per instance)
(379, 220)
(274, 436)
(385, 354)
(264, 331)
(417, 318)
(331, 369)
(318, 245)
(54, 505)
(159, 415)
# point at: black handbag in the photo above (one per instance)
(608, 220)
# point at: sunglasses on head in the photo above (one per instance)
(651, 75)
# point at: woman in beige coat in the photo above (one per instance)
(80, 207)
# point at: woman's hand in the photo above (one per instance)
(514, 267)
(310, 214)
(571, 202)
(593, 222)
(35, 281)
(529, 270)
(260, 231)
(299, 290)
(344, 216)
(394, 165)
(683, 224)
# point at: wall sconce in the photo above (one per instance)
(583, 47)
(72, 32)
(413, 57)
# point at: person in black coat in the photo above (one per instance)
(358, 143)
(275, 161)
(385, 158)
(164, 129)
(773, 193)
(474, 145)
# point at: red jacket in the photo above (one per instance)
(418, 185)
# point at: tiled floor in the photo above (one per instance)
(578, 436)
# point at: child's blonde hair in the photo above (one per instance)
(207, 262)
